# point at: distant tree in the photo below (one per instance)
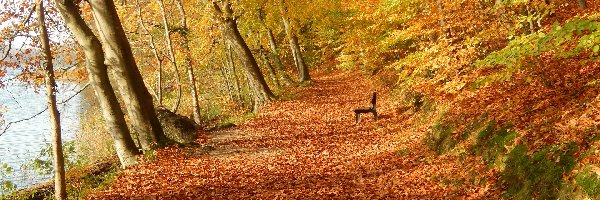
(273, 45)
(185, 44)
(225, 17)
(294, 46)
(171, 52)
(152, 44)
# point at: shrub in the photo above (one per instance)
(589, 182)
(440, 139)
(538, 176)
(491, 142)
(93, 142)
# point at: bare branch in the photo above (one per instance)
(7, 126)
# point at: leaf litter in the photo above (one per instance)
(308, 148)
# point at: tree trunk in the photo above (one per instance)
(119, 57)
(231, 63)
(156, 56)
(294, 46)
(228, 85)
(262, 92)
(582, 4)
(188, 61)
(60, 191)
(171, 53)
(272, 74)
(275, 54)
(98, 75)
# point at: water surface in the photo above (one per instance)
(22, 142)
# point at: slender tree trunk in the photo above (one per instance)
(98, 75)
(60, 191)
(188, 61)
(155, 53)
(265, 59)
(171, 53)
(582, 4)
(228, 85)
(274, 53)
(294, 46)
(231, 63)
(276, 59)
(272, 74)
(119, 57)
(262, 92)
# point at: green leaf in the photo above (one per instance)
(596, 49)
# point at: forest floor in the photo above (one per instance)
(307, 148)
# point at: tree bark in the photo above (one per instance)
(188, 62)
(274, 54)
(156, 56)
(276, 59)
(228, 85)
(119, 57)
(294, 46)
(60, 191)
(98, 75)
(171, 53)
(231, 63)
(272, 74)
(262, 92)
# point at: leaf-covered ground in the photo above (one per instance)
(309, 148)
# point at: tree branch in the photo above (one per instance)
(7, 126)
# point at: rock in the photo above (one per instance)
(177, 127)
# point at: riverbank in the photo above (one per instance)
(80, 180)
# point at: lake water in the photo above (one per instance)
(22, 142)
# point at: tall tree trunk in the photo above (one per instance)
(582, 4)
(98, 75)
(262, 92)
(294, 46)
(188, 61)
(231, 63)
(272, 74)
(155, 53)
(119, 57)
(282, 74)
(228, 85)
(60, 191)
(276, 59)
(163, 11)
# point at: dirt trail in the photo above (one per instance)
(306, 148)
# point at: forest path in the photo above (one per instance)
(305, 148)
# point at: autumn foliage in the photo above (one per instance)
(477, 99)
(308, 147)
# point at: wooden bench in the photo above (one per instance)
(372, 109)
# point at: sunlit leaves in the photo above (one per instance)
(571, 39)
